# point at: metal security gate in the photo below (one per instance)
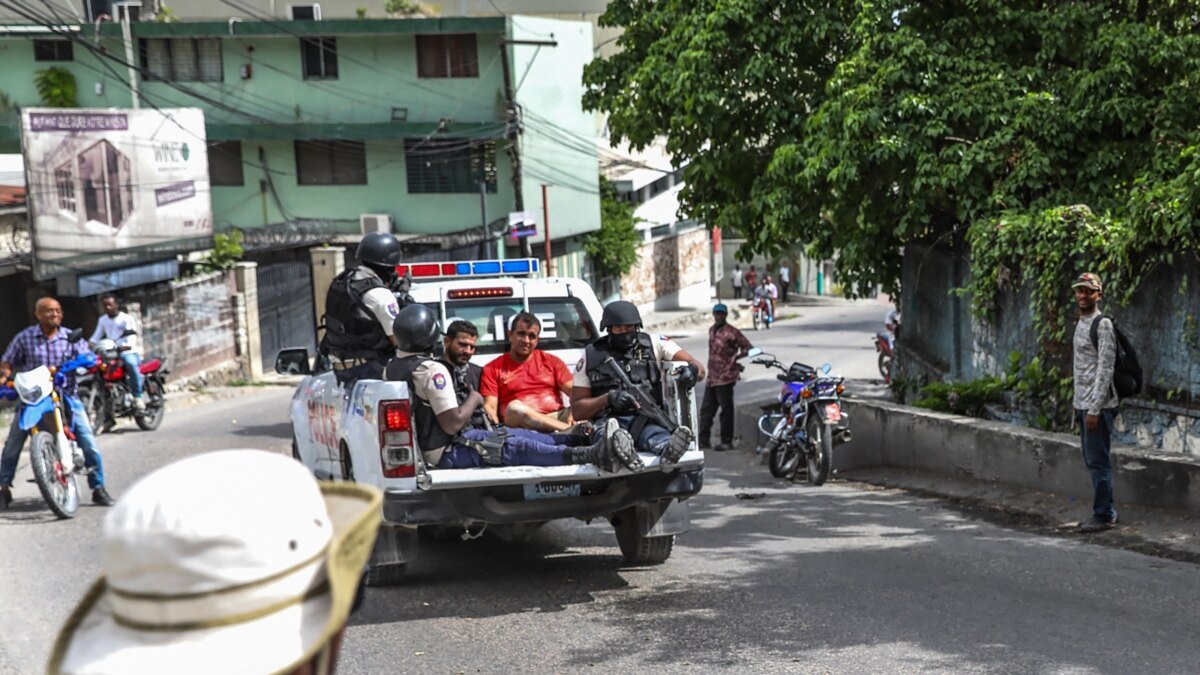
(285, 308)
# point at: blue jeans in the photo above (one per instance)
(83, 436)
(1097, 454)
(522, 447)
(653, 438)
(132, 362)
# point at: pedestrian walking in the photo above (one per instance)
(725, 345)
(785, 279)
(736, 280)
(751, 282)
(1095, 398)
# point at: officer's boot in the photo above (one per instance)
(673, 448)
(611, 448)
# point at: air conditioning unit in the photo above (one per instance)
(375, 222)
(304, 12)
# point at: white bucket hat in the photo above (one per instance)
(228, 562)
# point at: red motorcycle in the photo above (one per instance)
(760, 312)
(106, 393)
(884, 348)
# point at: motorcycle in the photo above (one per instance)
(884, 348)
(760, 313)
(806, 423)
(106, 393)
(55, 457)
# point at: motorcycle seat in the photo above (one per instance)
(149, 366)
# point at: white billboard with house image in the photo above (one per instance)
(113, 188)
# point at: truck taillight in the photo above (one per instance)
(396, 451)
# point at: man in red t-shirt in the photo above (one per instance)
(525, 387)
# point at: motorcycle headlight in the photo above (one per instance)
(81, 371)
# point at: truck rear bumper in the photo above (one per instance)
(506, 504)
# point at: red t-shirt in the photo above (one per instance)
(537, 382)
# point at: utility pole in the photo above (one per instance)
(546, 231)
(126, 34)
(487, 229)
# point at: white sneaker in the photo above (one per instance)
(139, 403)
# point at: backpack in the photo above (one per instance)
(1127, 372)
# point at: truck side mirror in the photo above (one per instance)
(293, 362)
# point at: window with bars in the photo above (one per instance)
(53, 50)
(181, 59)
(447, 55)
(225, 163)
(64, 186)
(449, 166)
(331, 163)
(318, 58)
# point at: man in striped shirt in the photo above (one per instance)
(1095, 398)
(47, 343)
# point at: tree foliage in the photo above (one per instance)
(56, 87)
(857, 127)
(613, 248)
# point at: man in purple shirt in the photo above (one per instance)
(47, 344)
(725, 345)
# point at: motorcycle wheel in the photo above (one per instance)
(97, 414)
(783, 460)
(756, 318)
(54, 481)
(885, 367)
(156, 407)
(819, 454)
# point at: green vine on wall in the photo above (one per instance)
(56, 87)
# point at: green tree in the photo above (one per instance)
(857, 127)
(613, 248)
(56, 87)
(227, 249)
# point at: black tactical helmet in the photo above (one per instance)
(416, 329)
(620, 313)
(379, 248)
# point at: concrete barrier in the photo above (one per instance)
(887, 434)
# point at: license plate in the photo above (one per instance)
(552, 490)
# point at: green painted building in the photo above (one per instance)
(314, 124)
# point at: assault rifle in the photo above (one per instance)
(646, 404)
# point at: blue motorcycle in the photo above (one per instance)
(806, 422)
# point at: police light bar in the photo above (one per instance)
(471, 269)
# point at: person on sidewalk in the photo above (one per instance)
(260, 578)
(751, 282)
(725, 345)
(1095, 398)
(785, 279)
(736, 280)
(114, 326)
(47, 343)
(444, 432)
(526, 387)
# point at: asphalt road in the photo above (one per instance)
(773, 577)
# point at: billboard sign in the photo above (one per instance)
(111, 188)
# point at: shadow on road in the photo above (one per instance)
(280, 430)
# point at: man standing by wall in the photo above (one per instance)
(751, 282)
(785, 279)
(736, 280)
(725, 345)
(113, 326)
(1095, 398)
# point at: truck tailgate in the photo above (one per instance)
(454, 479)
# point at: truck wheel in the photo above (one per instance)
(637, 548)
(384, 575)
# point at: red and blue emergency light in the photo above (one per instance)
(467, 269)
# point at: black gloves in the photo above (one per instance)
(621, 402)
(686, 376)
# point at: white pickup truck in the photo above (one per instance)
(365, 434)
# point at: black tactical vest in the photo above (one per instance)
(430, 435)
(351, 330)
(638, 363)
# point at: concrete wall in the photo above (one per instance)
(941, 340)
(190, 322)
(671, 272)
(890, 435)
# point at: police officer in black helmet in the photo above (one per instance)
(597, 395)
(448, 437)
(359, 309)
